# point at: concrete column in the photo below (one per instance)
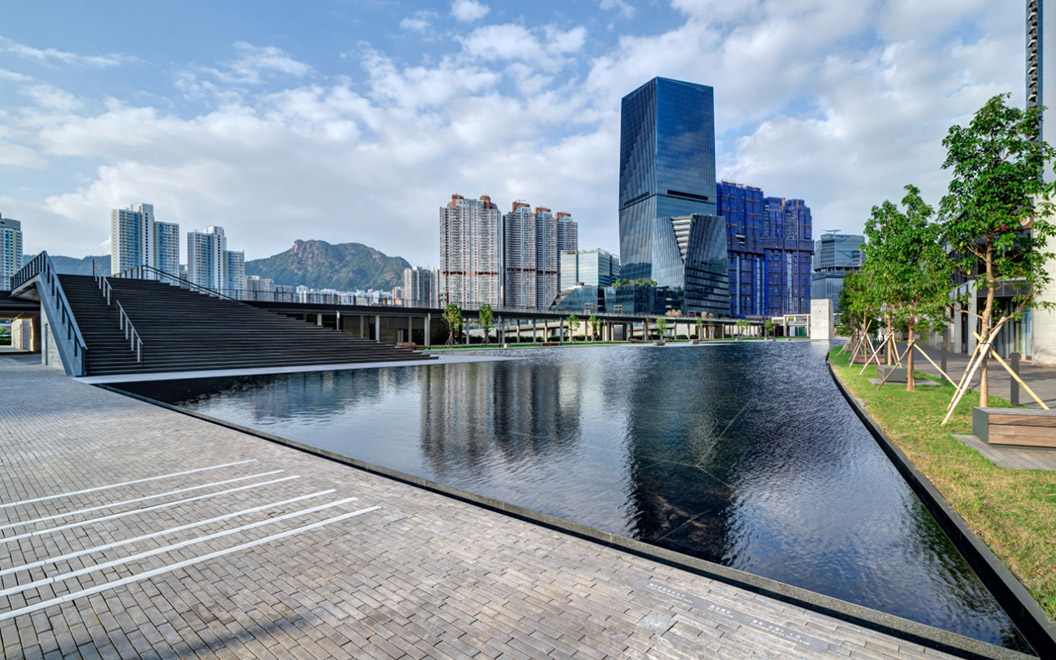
(318, 319)
(377, 327)
(362, 328)
(410, 328)
(428, 334)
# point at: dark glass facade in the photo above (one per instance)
(769, 247)
(667, 194)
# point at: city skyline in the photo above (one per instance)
(348, 126)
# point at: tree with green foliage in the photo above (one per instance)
(911, 273)
(994, 217)
(595, 327)
(453, 319)
(700, 325)
(573, 325)
(661, 326)
(486, 318)
(742, 326)
(768, 326)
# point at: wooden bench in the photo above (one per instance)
(1023, 427)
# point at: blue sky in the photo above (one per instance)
(355, 120)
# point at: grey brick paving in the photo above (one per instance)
(422, 577)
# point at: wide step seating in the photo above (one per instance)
(186, 331)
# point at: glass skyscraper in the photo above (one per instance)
(835, 255)
(669, 231)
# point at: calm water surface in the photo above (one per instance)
(743, 454)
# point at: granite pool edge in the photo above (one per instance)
(910, 631)
(1011, 595)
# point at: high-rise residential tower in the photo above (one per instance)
(132, 237)
(669, 232)
(167, 247)
(205, 257)
(137, 239)
(418, 287)
(234, 274)
(521, 269)
(10, 250)
(470, 252)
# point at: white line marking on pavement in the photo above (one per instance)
(169, 548)
(171, 530)
(111, 505)
(178, 565)
(81, 523)
(123, 483)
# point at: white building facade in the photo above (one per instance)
(470, 252)
(10, 251)
(205, 257)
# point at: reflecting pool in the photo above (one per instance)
(741, 453)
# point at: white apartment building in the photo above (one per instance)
(470, 253)
(235, 274)
(132, 237)
(10, 251)
(167, 247)
(418, 287)
(205, 257)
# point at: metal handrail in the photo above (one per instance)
(138, 272)
(123, 322)
(136, 343)
(41, 265)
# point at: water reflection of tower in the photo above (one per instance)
(499, 415)
(679, 496)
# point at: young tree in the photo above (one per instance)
(486, 318)
(595, 327)
(994, 217)
(768, 326)
(700, 325)
(661, 326)
(453, 319)
(573, 325)
(742, 326)
(911, 271)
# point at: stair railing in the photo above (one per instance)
(55, 297)
(141, 273)
(123, 322)
(136, 344)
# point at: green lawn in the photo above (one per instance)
(1012, 511)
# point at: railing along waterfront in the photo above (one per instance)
(42, 266)
(123, 322)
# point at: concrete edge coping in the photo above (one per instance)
(901, 628)
(1021, 607)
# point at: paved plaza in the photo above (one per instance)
(129, 530)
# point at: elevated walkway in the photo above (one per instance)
(186, 331)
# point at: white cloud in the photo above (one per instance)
(420, 21)
(511, 41)
(55, 56)
(469, 10)
(626, 9)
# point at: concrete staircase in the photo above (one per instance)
(186, 331)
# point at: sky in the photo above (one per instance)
(356, 120)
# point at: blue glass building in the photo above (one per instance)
(835, 255)
(669, 230)
(770, 251)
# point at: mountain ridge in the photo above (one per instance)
(314, 263)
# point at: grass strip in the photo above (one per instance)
(1013, 511)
